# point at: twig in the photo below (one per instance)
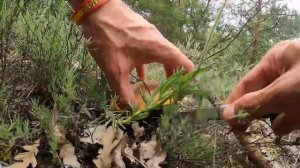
(215, 148)
(236, 36)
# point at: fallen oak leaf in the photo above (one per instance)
(153, 152)
(138, 131)
(67, 153)
(110, 140)
(147, 150)
(66, 149)
(128, 152)
(117, 153)
(27, 158)
(23, 164)
(32, 148)
(156, 160)
(93, 135)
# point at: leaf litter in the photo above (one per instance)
(66, 149)
(27, 158)
(116, 147)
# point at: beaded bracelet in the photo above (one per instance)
(86, 8)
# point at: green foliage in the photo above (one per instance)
(172, 89)
(64, 95)
(180, 139)
(42, 48)
(44, 116)
(50, 43)
(9, 133)
(97, 91)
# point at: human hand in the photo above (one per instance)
(272, 86)
(122, 40)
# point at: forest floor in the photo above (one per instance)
(186, 145)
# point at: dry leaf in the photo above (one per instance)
(128, 152)
(138, 131)
(117, 153)
(67, 153)
(156, 160)
(93, 135)
(66, 149)
(152, 151)
(110, 139)
(147, 149)
(27, 158)
(33, 148)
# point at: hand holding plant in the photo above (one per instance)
(122, 40)
(272, 86)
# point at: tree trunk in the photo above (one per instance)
(256, 32)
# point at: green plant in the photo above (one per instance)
(43, 115)
(49, 43)
(46, 118)
(9, 133)
(180, 140)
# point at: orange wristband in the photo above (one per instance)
(86, 8)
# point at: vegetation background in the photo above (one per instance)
(45, 68)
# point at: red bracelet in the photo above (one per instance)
(86, 8)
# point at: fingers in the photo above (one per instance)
(175, 62)
(126, 93)
(269, 68)
(237, 127)
(264, 73)
(121, 85)
(162, 51)
(118, 77)
(256, 79)
(141, 72)
(258, 104)
(169, 71)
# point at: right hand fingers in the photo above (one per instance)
(259, 77)
(266, 101)
(264, 73)
(245, 93)
(258, 104)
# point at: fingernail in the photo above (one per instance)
(228, 112)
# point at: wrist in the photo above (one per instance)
(86, 8)
(115, 13)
